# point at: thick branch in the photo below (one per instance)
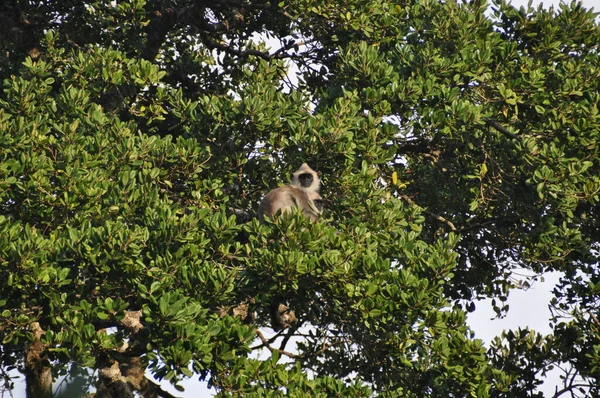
(131, 322)
(21, 27)
(158, 28)
(501, 129)
(38, 375)
(113, 383)
(135, 373)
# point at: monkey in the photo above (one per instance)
(301, 192)
(310, 202)
(316, 205)
(282, 317)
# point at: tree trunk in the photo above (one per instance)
(38, 375)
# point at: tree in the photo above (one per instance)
(455, 147)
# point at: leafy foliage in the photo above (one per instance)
(456, 145)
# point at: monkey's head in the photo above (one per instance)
(306, 178)
(317, 201)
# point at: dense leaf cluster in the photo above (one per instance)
(457, 144)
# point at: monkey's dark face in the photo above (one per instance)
(306, 179)
(318, 204)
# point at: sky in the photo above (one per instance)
(527, 308)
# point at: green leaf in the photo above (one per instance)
(375, 313)
(102, 316)
(213, 330)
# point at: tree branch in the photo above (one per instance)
(131, 322)
(596, 321)
(436, 216)
(265, 343)
(568, 389)
(164, 21)
(213, 45)
(38, 375)
(501, 129)
(158, 28)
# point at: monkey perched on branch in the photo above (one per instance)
(282, 317)
(302, 192)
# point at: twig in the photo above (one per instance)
(436, 216)
(596, 321)
(266, 344)
(211, 45)
(569, 389)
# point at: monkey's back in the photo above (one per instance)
(283, 199)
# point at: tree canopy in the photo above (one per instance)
(457, 143)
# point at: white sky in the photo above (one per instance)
(527, 308)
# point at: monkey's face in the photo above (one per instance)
(318, 204)
(306, 180)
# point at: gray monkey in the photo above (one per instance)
(302, 192)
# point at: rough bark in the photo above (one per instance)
(38, 375)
